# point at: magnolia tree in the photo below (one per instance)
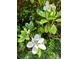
(39, 29)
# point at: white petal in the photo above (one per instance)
(49, 10)
(47, 3)
(41, 40)
(37, 37)
(42, 46)
(35, 49)
(44, 8)
(53, 6)
(30, 44)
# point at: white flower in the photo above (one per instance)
(37, 42)
(47, 6)
(53, 6)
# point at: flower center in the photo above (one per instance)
(36, 42)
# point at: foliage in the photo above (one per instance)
(35, 17)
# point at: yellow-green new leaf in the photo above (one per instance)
(42, 21)
(20, 40)
(46, 30)
(27, 37)
(41, 29)
(53, 29)
(58, 20)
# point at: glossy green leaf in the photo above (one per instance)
(41, 29)
(51, 18)
(27, 37)
(20, 40)
(41, 13)
(25, 29)
(53, 13)
(29, 25)
(58, 20)
(53, 29)
(58, 14)
(47, 28)
(42, 21)
(23, 33)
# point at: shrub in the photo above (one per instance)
(39, 20)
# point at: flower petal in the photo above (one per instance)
(47, 3)
(35, 49)
(42, 46)
(41, 40)
(37, 37)
(44, 8)
(30, 44)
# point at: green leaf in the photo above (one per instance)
(29, 25)
(41, 2)
(41, 13)
(47, 28)
(53, 29)
(29, 56)
(20, 40)
(41, 29)
(58, 14)
(52, 44)
(52, 15)
(42, 21)
(58, 20)
(39, 53)
(27, 37)
(47, 14)
(52, 56)
(43, 55)
(23, 33)
(32, 1)
(25, 29)
(51, 18)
